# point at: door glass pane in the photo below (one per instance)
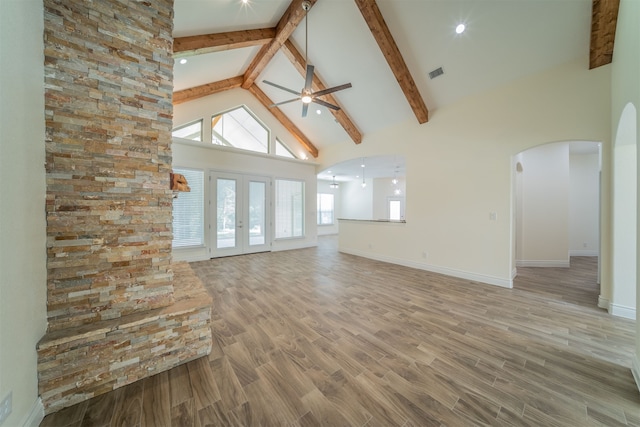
(257, 223)
(226, 215)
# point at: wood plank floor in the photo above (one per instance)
(315, 337)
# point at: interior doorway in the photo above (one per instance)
(556, 203)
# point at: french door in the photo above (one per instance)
(241, 222)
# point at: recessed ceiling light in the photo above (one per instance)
(460, 29)
(245, 1)
(183, 61)
(318, 111)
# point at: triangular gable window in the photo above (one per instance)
(192, 131)
(283, 150)
(239, 128)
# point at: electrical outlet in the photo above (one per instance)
(5, 407)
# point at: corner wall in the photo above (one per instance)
(22, 218)
(459, 166)
(625, 89)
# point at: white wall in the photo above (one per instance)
(584, 201)
(22, 217)
(357, 202)
(625, 90)
(187, 154)
(459, 168)
(545, 206)
(323, 187)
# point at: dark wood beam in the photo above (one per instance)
(604, 17)
(205, 90)
(282, 118)
(206, 43)
(287, 24)
(373, 17)
(341, 115)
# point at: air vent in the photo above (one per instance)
(435, 73)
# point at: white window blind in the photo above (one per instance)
(188, 211)
(289, 209)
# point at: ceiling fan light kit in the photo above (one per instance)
(307, 95)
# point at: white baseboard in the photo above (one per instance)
(635, 370)
(490, 280)
(35, 415)
(603, 302)
(542, 263)
(622, 311)
(292, 245)
(514, 273)
(583, 252)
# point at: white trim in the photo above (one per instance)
(490, 280)
(542, 263)
(35, 415)
(622, 311)
(580, 252)
(514, 273)
(603, 302)
(635, 370)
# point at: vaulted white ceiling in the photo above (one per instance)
(504, 41)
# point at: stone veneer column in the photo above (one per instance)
(108, 111)
(114, 316)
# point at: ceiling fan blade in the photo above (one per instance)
(326, 104)
(332, 89)
(281, 87)
(284, 102)
(305, 108)
(309, 79)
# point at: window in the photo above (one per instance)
(325, 209)
(192, 131)
(188, 211)
(283, 150)
(240, 129)
(395, 208)
(289, 209)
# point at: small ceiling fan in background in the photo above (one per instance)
(307, 95)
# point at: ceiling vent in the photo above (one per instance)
(435, 73)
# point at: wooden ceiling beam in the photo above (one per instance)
(341, 115)
(205, 90)
(282, 118)
(207, 43)
(287, 24)
(604, 17)
(373, 17)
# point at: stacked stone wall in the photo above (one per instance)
(118, 310)
(108, 112)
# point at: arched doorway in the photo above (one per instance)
(556, 188)
(625, 215)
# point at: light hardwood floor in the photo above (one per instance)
(315, 337)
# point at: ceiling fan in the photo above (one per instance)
(307, 95)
